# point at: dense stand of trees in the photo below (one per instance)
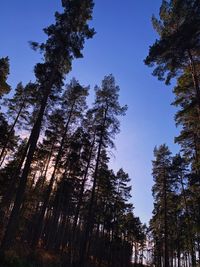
(175, 225)
(60, 203)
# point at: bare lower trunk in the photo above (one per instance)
(14, 217)
(82, 190)
(166, 249)
(89, 225)
(39, 225)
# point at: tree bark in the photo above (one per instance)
(166, 249)
(14, 217)
(195, 79)
(89, 224)
(39, 225)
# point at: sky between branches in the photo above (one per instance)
(123, 35)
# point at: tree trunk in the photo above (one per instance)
(2, 156)
(89, 225)
(10, 194)
(14, 217)
(80, 201)
(179, 255)
(195, 79)
(82, 189)
(166, 251)
(39, 225)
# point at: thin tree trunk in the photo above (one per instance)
(55, 216)
(195, 79)
(82, 189)
(2, 156)
(39, 225)
(189, 226)
(47, 164)
(80, 201)
(6, 202)
(89, 224)
(179, 255)
(14, 217)
(166, 251)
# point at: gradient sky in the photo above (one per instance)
(123, 36)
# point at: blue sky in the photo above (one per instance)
(123, 36)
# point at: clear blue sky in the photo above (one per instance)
(124, 33)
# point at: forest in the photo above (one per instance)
(61, 204)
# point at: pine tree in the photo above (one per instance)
(106, 108)
(4, 72)
(176, 54)
(161, 191)
(180, 173)
(5, 134)
(178, 45)
(73, 104)
(65, 41)
(18, 110)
